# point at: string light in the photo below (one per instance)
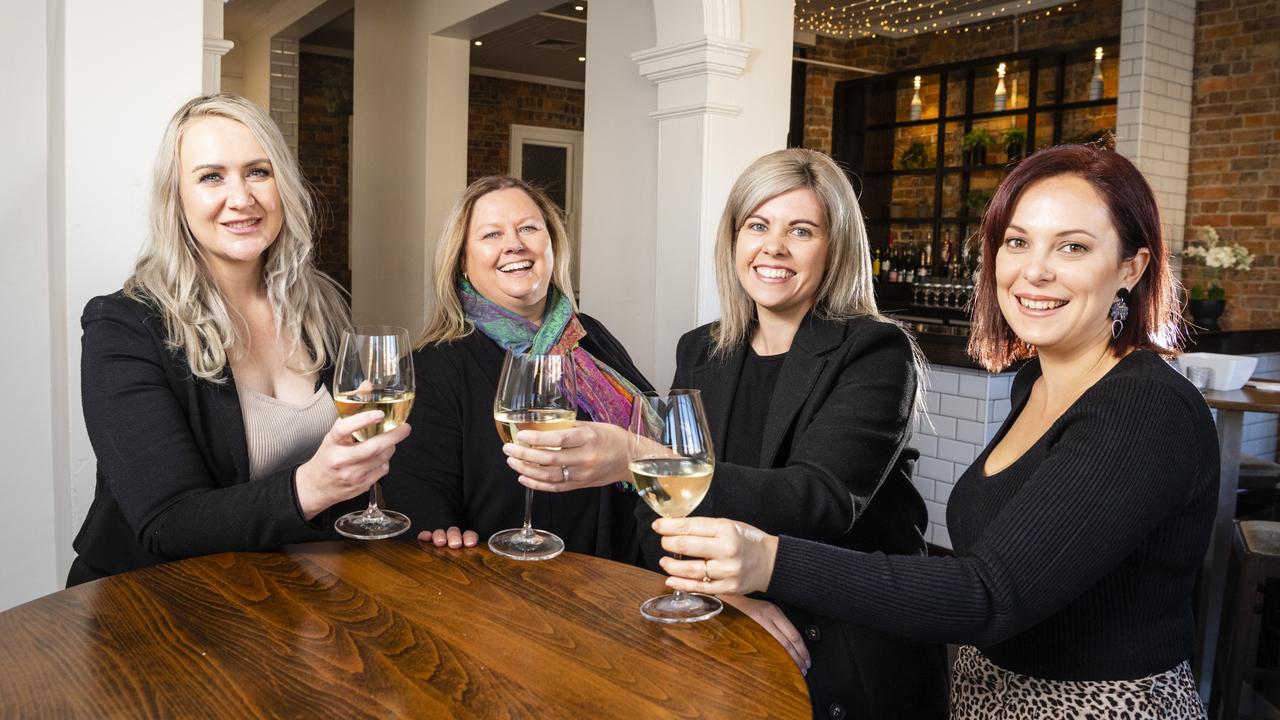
(899, 18)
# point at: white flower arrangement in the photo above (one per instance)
(1216, 258)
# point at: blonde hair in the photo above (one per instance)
(448, 320)
(846, 291)
(171, 274)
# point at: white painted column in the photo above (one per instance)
(1153, 114)
(75, 207)
(618, 264)
(215, 46)
(723, 72)
(408, 156)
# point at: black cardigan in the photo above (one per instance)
(173, 465)
(844, 400)
(451, 469)
(1076, 562)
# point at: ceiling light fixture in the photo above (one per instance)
(478, 43)
(582, 58)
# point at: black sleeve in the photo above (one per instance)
(1110, 478)
(839, 461)
(150, 458)
(425, 481)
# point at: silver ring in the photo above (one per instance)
(564, 472)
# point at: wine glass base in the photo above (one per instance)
(691, 607)
(517, 545)
(364, 526)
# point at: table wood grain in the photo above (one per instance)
(384, 629)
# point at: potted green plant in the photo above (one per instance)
(975, 145)
(975, 203)
(1015, 139)
(1207, 298)
(916, 156)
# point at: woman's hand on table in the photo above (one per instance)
(591, 454)
(720, 556)
(343, 468)
(772, 619)
(453, 537)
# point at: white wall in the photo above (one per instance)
(74, 212)
(408, 156)
(29, 536)
(618, 259)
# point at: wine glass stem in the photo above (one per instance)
(678, 594)
(373, 510)
(526, 530)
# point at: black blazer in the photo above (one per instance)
(173, 464)
(451, 469)
(844, 400)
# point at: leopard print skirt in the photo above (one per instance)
(981, 690)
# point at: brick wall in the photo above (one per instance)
(497, 103)
(1234, 180)
(324, 152)
(284, 89)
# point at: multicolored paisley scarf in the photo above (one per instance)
(602, 392)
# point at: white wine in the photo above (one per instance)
(510, 422)
(394, 405)
(673, 487)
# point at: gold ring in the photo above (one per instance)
(706, 573)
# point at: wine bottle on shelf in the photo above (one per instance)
(875, 264)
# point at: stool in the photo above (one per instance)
(1257, 496)
(1255, 556)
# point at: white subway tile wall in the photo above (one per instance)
(284, 89)
(953, 434)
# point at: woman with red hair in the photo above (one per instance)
(1078, 531)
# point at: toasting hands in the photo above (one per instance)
(721, 556)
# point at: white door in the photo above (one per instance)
(551, 159)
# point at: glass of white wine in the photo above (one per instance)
(375, 372)
(671, 463)
(535, 392)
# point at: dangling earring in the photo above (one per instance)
(1119, 312)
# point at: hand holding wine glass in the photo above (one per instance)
(535, 392)
(671, 463)
(375, 372)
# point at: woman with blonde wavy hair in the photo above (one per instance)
(205, 380)
(810, 394)
(502, 283)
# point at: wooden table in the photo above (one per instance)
(1231, 406)
(384, 629)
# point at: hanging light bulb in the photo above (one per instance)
(1095, 84)
(1001, 98)
(916, 106)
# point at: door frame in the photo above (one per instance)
(571, 140)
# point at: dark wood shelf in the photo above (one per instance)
(864, 140)
(990, 114)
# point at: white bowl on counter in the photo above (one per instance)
(1230, 372)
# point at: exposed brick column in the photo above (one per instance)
(284, 89)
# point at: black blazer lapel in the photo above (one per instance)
(800, 371)
(717, 380)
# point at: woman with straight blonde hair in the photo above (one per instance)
(502, 283)
(810, 394)
(205, 380)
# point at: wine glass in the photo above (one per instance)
(535, 392)
(671, 463)
(375, 372)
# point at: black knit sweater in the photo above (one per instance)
(1076, 562)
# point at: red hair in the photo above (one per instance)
(1154, 322)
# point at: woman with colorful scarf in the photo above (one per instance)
(502, 283)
